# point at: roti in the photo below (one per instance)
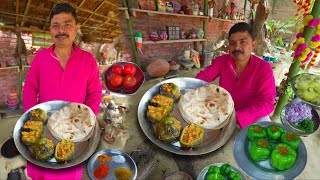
(209, 106)
(74, 122)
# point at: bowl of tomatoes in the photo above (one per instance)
(123, 78)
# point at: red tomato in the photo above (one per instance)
(129, 69)
(129, 82)
(116, 80)
(117, 69)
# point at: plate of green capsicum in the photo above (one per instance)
(220, 171)
(268, 150)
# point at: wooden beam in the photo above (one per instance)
(110, 3)
(41, 19)
(26, 10)
(23, 28)
(105, 22)
(21, 15)
(82, 2)
(85, 10)
(48, 18)
(95, 10)
(17, 9)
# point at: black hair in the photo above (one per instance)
(64, 7)
(242, 27)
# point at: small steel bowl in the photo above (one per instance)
(292, 126)
(139, 75)
(295, 90)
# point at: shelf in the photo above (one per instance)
(122, 8)
(25, 66)
(165, 13)
(173, 41)
(9, 67)
(226, 20)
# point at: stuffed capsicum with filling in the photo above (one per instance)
(283, 156)
(260, 149)
(256, 131)
(291, 139)
(274, 132)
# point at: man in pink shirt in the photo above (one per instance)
(248, 78)
(62, 72)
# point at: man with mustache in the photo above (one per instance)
(62, 72)
(248, 78)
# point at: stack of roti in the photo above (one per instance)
(209, 106)
(74, 122)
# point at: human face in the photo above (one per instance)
(63, 29)
(241, 46)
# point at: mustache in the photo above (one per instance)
(60, 35)
(237, 51)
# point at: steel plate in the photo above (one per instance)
(213, 139)
(93, 163)
(316, 106)
(203, 174)
(83, 150)
(315, 118)
(263, 169)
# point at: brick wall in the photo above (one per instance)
(9, 76)
(145, 24)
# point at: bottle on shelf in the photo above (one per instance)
(12, 99)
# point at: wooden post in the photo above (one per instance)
(205, 24)
(295, 66)
(18, 33)
(244, 8)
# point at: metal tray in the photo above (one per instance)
(83, 150)
(93, 163)
(263, 169)
(213, 139)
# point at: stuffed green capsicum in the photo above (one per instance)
(260, 149)
(274, 132)
(215, 176)
(225, 169)
(283, 156)
(234, 176)
(256, 131)
(291, 139)
(213, 170)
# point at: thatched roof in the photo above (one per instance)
(98, 19)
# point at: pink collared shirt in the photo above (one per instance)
(78, 82)
(253, 93)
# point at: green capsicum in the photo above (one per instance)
(234, 176)
(291, 139)
(215, 176)
(260, 149)
(283, 156)
(256, 131)
(213, 170)
(225, 169)
(274, 132)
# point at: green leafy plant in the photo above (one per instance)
(276, 28)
